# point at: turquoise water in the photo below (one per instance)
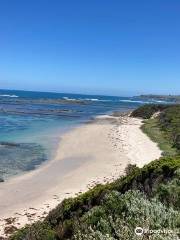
(40, 138)
(31, 123)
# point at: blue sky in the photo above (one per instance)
(98, 46)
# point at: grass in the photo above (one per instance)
(152, 128)
(168, 121)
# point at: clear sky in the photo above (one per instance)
(110, 47)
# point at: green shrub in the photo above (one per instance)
(37, 231)
(130, 169)
(170, 123)
(146, 111)
(169, 193)
(123, 214)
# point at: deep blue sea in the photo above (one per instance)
(31, 123)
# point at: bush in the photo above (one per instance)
(169, 193)
(37, 231)
(147, 111)
(123, 214)
(130, 168)
(170, 124)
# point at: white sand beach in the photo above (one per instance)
(93, 153)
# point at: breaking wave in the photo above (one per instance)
(86, 99)
(7, 95)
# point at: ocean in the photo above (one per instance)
(31, 123)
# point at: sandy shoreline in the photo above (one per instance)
(92, 153)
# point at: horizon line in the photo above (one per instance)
(92, 94)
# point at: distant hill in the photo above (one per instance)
(170, 98)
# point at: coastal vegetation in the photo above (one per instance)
(147, 197)
(142, 198)
(147, 111)
(164, 128)
(170, 98)
(152, 128)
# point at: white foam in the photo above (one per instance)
(96, 100)
(69, 99)
(86, 99)
(132, 101)
(7, 95)
(92, 99)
